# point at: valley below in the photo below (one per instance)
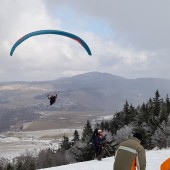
(46, 132)
(29, 123)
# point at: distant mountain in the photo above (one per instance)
(93, 91)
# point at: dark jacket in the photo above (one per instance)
(98, 143)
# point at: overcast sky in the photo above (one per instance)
(127, 38)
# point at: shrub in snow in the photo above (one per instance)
(5, 163)
(48, 158)
(25, 162)
(123, 133)
(161, 137)
(82, 151)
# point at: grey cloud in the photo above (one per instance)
(141, 25)
(144, 23)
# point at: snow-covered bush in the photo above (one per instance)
(161, 137)
(123, 133)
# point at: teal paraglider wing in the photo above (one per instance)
(56, 32)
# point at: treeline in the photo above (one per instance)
(151, 119)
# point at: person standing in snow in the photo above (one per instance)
(130, 154)
(99, 141)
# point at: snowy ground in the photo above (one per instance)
(154, 160)
(14, 144)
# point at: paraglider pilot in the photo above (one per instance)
(52, 99)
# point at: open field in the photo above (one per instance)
(65, 120)
(46, 132)
(13, 144)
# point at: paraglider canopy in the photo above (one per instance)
(55, 32)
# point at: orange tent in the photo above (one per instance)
(166, 165)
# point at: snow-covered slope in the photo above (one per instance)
(154, 159)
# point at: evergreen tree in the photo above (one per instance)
(87, 132)
(150, 109)
(167, 112)
(150, 103)
(142, 114)
(82, 150)
(133, 113)
(20, 166)
(75, 136)
(113, 126)
(164, 114)
(157, 104)
(156, 112)
(117, 122)
(146, 133)
(9, 167)
(65, 144)
(168, 104)
(106, 126)
(102, 125)
(85, 149)
(129, 113)
(126, 113)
